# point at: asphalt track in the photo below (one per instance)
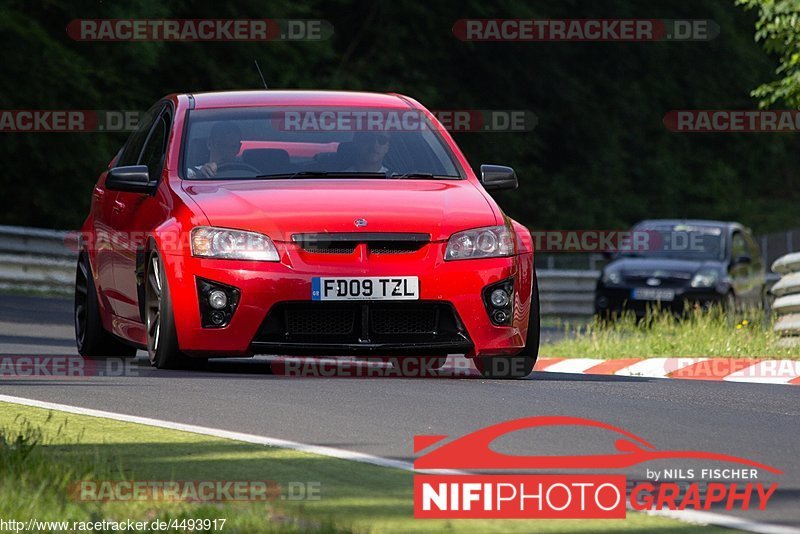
(380, 416)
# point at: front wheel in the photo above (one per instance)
(162, 339)
(520, 365)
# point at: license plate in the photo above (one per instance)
(365, 288)
(645, 293)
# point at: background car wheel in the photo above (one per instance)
(521, 365)
(92, 339)
(162, 339)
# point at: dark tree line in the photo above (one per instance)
(599, 157)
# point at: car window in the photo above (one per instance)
(133, 147)
(738, 246)
(155, 149)
(245, 143)
(681, 241)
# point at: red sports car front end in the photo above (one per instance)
(343, 243)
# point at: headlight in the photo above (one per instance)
(612, 277)
(705, 278)
(210, 242)
(491, 242)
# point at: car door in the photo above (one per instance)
(135, 214)
(100, 247)
(109, 250)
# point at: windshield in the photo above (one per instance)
(265, 143)
(681, 241)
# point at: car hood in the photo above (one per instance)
(640, 267)
(282, 208)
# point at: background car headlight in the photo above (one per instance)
(705, 278)
(490, 242)
(210, 242)
(612, 277)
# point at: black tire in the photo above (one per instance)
(92, 339)
(162, 339)
(521, 365)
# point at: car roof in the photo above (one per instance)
(227, 99)
(690, 222)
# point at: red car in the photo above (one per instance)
(303, 223)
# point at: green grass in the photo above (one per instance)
(660, 334)
(42, 453)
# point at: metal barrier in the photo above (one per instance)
(35, 260)
(787, 298)
(567, 293)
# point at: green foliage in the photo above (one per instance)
(599, 157)
(660, 334)
(778, 27)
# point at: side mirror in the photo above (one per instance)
(742, 260)
(132, 179)
(498, 177)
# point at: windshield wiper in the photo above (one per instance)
(317, 174)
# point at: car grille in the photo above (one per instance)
(673, 279)
(346, 243)
(310, 321)
(418, 320)
(331, 248)
(361, 322)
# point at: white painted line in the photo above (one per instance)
(767, 372)
(217, 433)
(690, 516)
(658, 367)
(572, 365)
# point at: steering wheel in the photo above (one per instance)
(237, 166)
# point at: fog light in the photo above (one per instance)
(217, 317)
(218, 303)
(217, 299)
(499, 316)
(499, 298)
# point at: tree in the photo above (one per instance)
(778, 26)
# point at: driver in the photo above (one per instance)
(370, 149)
(223, 147)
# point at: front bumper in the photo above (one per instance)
(617, 299)
(265, 285)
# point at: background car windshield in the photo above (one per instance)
(245, 143)
(683, 242)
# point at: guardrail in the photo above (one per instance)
(787, 298)
(567, 293)
(35, 260)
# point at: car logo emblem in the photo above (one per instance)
(653, 281)
(360, 222)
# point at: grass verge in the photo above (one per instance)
(42, 453)
(699, 334)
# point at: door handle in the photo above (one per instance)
(99, 192)
(118, 206)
